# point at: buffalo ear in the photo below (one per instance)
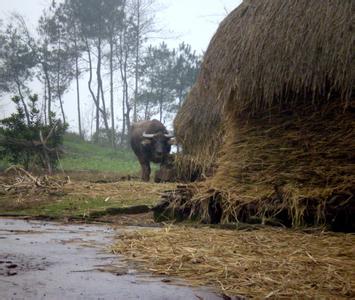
(172, 141)
(145, 142)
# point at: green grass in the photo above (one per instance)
(85, 156)
(78, 207)
(86, 163)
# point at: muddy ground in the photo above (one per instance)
(47, 260)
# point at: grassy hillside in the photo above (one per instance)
(98, 183)
(85, 156)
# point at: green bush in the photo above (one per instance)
(25, 140)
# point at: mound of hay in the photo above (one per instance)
(182, 168)
(274, 109)
(257, 264)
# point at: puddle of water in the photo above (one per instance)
(47, 260)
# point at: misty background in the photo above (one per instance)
(161, 42)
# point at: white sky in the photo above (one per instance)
(191, 21)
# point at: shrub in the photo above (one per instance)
(27, 141)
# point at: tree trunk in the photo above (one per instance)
(119, 54)
(127, 104)
(45, 103)
(96, 101)
(146, 117)
(49, 90)
(100, 89)
(111, 96)
(126, 108)
(161, 106)
(160, 110)
(77, 82)
(104, 112)
(92, 114)
(23, 102)
(123, 116)
(146, 108)
(58, 82)
(137, 61)
(62, 108)
(97, 128)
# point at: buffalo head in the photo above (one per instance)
(159, 143)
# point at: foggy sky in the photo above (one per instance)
(191, 21)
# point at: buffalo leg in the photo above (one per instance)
(145, 171)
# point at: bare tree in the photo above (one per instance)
(143, 13)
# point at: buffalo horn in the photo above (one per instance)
(169, 135)
(148, 135)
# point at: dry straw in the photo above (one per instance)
(20, 189)
(267, 52)
(273, 108)
(266, 263)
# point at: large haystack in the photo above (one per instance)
(273, 107)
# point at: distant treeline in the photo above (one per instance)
(105, 42)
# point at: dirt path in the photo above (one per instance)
(45, 260)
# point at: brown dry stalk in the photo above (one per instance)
(262, 263)
(19, 181)
(268, 52)
(273, 109)
(297, 166)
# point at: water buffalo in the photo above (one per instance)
(151, 142)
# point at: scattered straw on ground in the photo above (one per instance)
(136, 192)
(20, 181)
(142, 219)
(22, 190)
(24, 183)
(261, 263)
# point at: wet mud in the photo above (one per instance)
(47, 260)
